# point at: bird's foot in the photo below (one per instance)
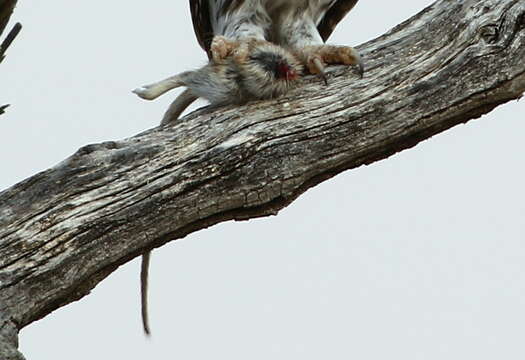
(316, 57)
(239, 50)
(222, 47)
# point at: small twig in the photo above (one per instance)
(9, 39)
(3, 48)
(3, 107)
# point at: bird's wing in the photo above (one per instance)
(201, 18)
(201, 15)
(333, 16)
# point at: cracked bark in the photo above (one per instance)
(8, 329)
(65, 229)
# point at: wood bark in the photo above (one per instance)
(65, 229)
(8, 330)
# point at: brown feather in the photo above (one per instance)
(333, 16)
(201, 17)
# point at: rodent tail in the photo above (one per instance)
(144, 270)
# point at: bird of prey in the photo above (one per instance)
(299, 25)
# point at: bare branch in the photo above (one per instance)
(9, 39)
(3, 107)
(6, 9)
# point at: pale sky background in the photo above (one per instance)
(420, 256)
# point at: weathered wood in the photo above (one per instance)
(8, 338)
(64, 230)
(8, 329)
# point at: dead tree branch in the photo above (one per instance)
(9, 40)
(6, 9)
(64, 230)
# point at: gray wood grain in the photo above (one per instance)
(65, 229)
(8, 329)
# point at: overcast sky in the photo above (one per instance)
(420, 256)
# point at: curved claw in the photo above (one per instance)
(317, 56)
(360, 64)
(320, 67)
(361, 69)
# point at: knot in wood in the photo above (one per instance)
(521, 21)
(489, 33)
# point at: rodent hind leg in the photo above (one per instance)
(178, 106)
(156, 89)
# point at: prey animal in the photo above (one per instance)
(256, 70)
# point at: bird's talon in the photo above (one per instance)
(222, 47)
(316, 66)
(318, 55)
(322, 75)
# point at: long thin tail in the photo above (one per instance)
(144, 270)
(178, 106)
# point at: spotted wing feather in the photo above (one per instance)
(203, 11)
